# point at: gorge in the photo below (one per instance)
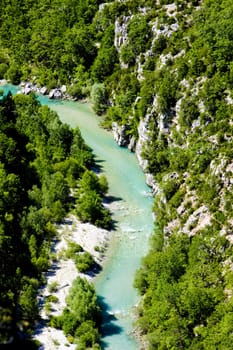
(132, 213)
(134, 223)
(160, 75)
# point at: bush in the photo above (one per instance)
(3, 70)
(84, 262)
(69, 321)
(178, 197)
(82, 312)
(52, 287)
(99, 98)
(73, 249)
(127, 55)
(75, 91)
(14, 74)
(90, 209)
(103, 183)
(87, 335)
(170, 187)
(139, 34)
(56, 322)
(52, 299)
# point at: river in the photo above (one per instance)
(132, 214)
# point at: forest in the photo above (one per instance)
(167, 65)
(41, 161)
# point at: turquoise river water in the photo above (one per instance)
(132, 213)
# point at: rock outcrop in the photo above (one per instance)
(119, 134)
(57, 93)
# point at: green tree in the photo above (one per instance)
(99, 98)
(87, 335)
(84, 262)
(104, 63)
(28, 301)
(90, 209)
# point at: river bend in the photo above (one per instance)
(132, 213)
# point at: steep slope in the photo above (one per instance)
(161, 72)
(185, 135)
(173, 96)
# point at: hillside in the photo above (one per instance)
(162, 74)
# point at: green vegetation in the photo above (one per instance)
(84, 262)
(169, 64)
(184, 290)
(81, 317)
(40, 159)
(185, 280)
(89, 204)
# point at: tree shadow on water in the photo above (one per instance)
(110, 199)
(109, 326)
(97, 167)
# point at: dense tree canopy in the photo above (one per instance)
(80, 319)
(40, 159)
(167, 64)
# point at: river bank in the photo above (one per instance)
(131, 203)
(131, 206)
(62, 273)
(131, 211)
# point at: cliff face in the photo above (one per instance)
(178, 109)
(173, 95)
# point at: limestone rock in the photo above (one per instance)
(119, 134)
(27, 88)
(143, 137)
(55, 94)
(132, 144)
(43, 90)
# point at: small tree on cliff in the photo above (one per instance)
(99, 98)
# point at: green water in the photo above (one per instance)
(134, 223)
(133, 217)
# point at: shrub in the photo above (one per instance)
(3, 70)
(170, 187)
(73, 249)
(90, 209)
(98, 98)
(52, 287)
(87, 335)
(52, 299)
(14, 74)
(84, 262)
